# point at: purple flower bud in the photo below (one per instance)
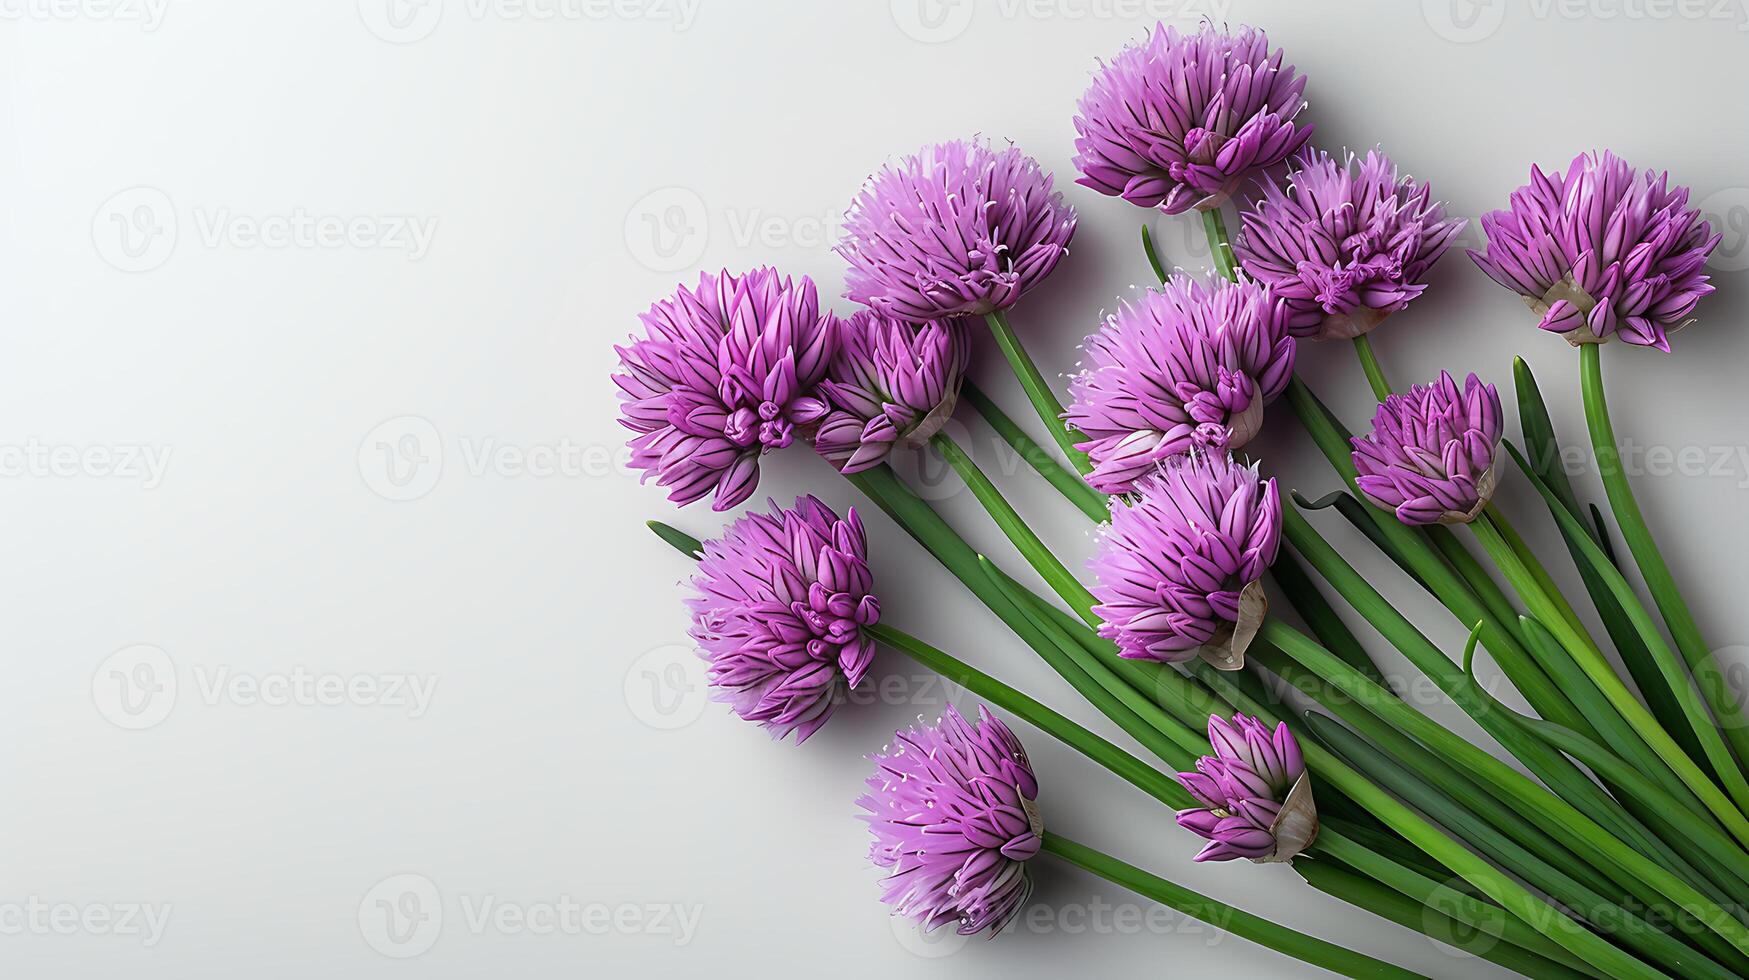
(952, 811)
(1343, 249)
(1431, 455)
(1604, 251)
(782, 597)
(1189, 364)
(892, 382)
(1180, 121)
(1178, 568)
(725, 373)
(957, 230)
(1256, 797)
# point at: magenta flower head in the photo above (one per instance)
(725, 373)
(953, 817)
(1256, 797)
(1189, 364)
(1343, 249)
(1432, 453)
(783, 599)
(1180, 121)
(957, 230)
(1178, 567)
(1604, 251)
(891, 383)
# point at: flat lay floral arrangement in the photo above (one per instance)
(1625, 850)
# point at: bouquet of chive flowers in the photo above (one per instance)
(1624, 853)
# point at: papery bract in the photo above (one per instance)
(892, 383)
(1188, 364)
(1601, 251)
(1344, 248)
(1180, 121)
(726, 372)
(1433, 451)
(783, 599)
(954, 821)
(1178, 567)
(959, 229)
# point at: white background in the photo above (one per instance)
(209, 256)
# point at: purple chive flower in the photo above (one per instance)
(1344, 249)
(1256, 799)
(725, 373)
(1188, 364)
(957, 230)
(1604, 251)
(1180, 121)
(1178, 567)
(891, 382)
(1431, 455)
(951, 807)
(782, 601)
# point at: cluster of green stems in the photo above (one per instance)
(1625, 855)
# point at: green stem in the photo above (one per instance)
(1044, 401)
(1060, 579)
(1091, 502)
(1659, 581)
(1479, 936)
(1369, 363)
(1603, 675)
(1153, 257)
(1243, 924)
(1535, 800)
(1220, 246)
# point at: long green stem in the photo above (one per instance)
(1240, 923)
(1369, 363)
(1220, 246)
(1089, 501)
(1659, 581)
(1591, 659)
(1038, 391)
(1437, 919)
(1521, 790)
(1060, 579)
